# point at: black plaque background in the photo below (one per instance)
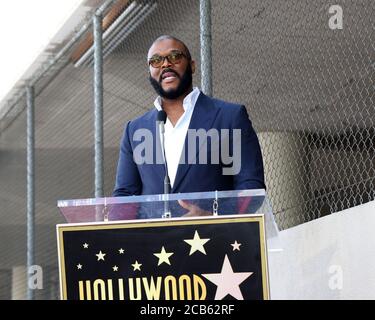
(141, 243)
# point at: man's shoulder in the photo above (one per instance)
(225, 106)
(143, 120)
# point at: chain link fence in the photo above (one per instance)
(308, 88)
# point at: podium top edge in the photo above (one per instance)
(181, 220)
(162, 197)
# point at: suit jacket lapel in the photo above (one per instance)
(203, 117)
(158, 168)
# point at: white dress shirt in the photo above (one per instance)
(175, 136)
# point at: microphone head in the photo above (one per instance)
(162, 116)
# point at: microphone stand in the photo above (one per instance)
(167, 186)
(161, 119)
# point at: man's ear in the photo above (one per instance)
(192, 63)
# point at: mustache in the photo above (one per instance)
(165, 71)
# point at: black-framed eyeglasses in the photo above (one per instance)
(156, 61)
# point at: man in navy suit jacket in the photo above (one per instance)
(188, 110)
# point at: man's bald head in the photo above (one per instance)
(168, 37)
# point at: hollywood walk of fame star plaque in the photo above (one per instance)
(199, 258)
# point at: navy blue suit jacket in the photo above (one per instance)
(146, 179)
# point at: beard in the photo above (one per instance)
(185, 83)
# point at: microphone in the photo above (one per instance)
(161, 119)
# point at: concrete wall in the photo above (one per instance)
(329, 258)
(285, 175)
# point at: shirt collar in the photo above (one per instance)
(189, 101)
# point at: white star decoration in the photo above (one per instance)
(100, 255)
(236, 245)
(196, 243)
(136, 266)
(227, 281)
(163, 256)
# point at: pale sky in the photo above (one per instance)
(26, 28)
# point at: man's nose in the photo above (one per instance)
(166, 63)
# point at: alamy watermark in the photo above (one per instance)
(336, 19)
(202, 147)
(336, 280)
(34, 277)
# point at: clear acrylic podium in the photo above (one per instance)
(200, 220)
(154, 206)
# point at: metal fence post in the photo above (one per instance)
(30, 185)
(98, 98)
(205, 43)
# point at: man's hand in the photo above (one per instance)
(193, 210)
